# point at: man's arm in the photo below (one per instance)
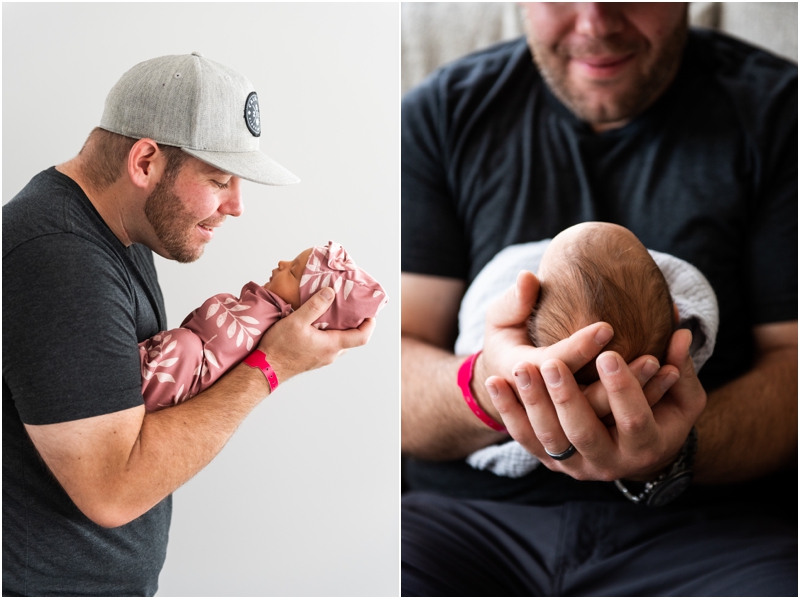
(749, 426)
(436, 423)
(117, 466)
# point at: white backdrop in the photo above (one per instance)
(304, 500)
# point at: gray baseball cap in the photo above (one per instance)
(198, 105)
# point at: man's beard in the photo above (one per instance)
(172, 222)
(642, 93)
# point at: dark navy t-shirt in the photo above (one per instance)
(708, 173)
(76, 303)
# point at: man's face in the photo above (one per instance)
(607, 61)
(285, 280)
(185, 211)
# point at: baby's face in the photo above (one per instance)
(285, 280)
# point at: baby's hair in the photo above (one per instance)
(604, 278)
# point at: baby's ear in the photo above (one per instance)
(676, 318)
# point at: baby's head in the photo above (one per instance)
(358, 295)
(601, 272)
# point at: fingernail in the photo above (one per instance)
(492, 389)
(551, 375)
(669, 380)
(523, 379)
(649, 369)
(326, 293)
(608, 363)
(604, 335)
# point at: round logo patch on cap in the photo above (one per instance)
(252, 115)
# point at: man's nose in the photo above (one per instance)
(598, 19)
(232, 204)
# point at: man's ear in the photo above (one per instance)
(676, 318)
(145, 164)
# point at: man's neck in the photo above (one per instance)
(106, 201)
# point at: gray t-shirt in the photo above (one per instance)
(76, 303)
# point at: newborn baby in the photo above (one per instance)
(596, 272)
(588, 273)
(180, 363)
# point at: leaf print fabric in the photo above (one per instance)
(358, 295)
(180, 363)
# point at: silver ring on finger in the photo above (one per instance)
(564, 454)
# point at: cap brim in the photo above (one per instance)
(252, 166)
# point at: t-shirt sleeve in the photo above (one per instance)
(433, 241)
(69, 331)
(772, 267)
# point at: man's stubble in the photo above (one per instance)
(643, 93)
(172, 222)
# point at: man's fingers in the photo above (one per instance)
(511, 412)
(575, 415)
(540, 410)
(352, 337)
(655, 389)
(678, 350)
(632, 414)
(316, 305)
(644, 368)
(515, 305)
(686, 393)
(582, 346)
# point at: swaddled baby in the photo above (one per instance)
(180, 363)
(588, 273)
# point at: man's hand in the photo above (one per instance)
(642, 441)
(506, 341)
(293, 345)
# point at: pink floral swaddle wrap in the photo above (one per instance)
(358, 295)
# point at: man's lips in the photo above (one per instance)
(207, 231)
(603, 66)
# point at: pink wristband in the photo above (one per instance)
(258, 359)
(464, 379)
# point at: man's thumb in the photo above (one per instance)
(316, 305)
(515, 305)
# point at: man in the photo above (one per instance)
(611, 112)
(87, 474)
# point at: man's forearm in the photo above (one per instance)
(749, 426)
(437, 424)
(190, 435)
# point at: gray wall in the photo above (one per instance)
(304, 500)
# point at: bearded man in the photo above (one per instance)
(610, 112)
(87, 474)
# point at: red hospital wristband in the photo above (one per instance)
(464, 379)
(258, 359)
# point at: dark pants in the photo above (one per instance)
(454, 547)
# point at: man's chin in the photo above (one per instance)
(190, 257)
(181, 254)
(602, 109)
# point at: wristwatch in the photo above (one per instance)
(671, 483)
